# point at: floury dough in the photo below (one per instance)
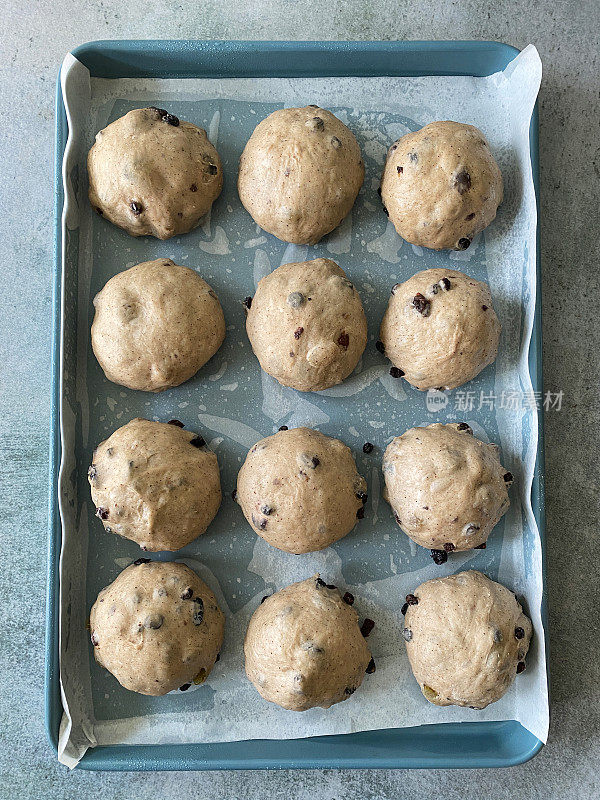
(441, 185)
(153, 174)
(300, 173)
(155, 325)
(157, 627)
(155, 484)
(466, 639)
(300, 490)
(439, 329)
(447, 489)
(304, 647)
(306, 325)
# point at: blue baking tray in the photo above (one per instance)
(445, 745)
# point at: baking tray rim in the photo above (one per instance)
(492, 744)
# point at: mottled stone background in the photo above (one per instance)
(566, 33)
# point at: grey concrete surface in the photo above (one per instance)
(37, 35)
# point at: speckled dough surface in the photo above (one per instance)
(466, 639)
(300, 173)
(441, 185)
(440, 328)
(153, 174)
(157, 627)
(155, 484)
(447, 489)
(304, 647)
(307, 325)
(155, 325)
(300, 490)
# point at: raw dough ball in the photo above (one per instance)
(447, 489)
(157, 627)
(300, 173)
(155, 484)
(153, 174)
(304, 647)
(441, 185)
(300, 490)
(466, 638)
(440, 329)
(155, 325)
(306, 325)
